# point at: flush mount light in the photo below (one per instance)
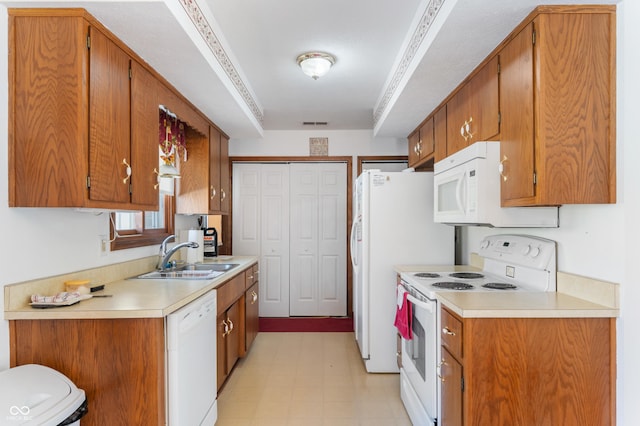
(315, 64)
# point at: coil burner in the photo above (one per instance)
(453, 285)
(426, 275)
(500, 286)
(466, 275)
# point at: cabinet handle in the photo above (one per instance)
(224, 194)
(468, 127)
(501, 168)
(213, 192)
(230, 325)
(226, 328)
(254, 297)
(127, 170)
(155, 170)
(440, 372)
(445, 330)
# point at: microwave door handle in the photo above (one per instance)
(419, 303)
(459, 195)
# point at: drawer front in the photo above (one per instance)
(230, 291)
(451, 332)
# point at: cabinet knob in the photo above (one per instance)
(127, 170)
(448, 332)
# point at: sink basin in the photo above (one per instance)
(197, 271)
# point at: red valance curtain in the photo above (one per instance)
(172, 137)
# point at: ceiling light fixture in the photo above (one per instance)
(315, 64)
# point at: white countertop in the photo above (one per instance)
(131, 298)
(578, 304)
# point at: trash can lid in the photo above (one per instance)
(34, 394)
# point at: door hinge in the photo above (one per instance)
(88, 41)
(533, 37)
(535, 178)
(88, 181)
(462, 384)
(130, 73)
(498, 67)
(499, 118)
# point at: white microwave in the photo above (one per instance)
(467, 192)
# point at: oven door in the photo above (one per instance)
(419, 357)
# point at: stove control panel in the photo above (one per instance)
(529, 251)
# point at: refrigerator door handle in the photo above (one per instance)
(352, 244)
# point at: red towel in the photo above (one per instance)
(403, 314)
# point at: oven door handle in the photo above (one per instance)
(419, 303)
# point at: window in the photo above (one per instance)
(138, 229)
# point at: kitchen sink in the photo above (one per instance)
(196, 271)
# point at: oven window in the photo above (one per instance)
(417, 348)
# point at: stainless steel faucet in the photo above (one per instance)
(164, 255)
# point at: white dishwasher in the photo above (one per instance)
(191, 363)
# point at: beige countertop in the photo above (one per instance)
(130, 298)
(576, 297)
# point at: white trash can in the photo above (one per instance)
(37, 395)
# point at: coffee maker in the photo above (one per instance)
(210, 239)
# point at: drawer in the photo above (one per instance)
(251, 276)
(451, 333)
(230, 291)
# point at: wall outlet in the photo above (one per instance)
(104, 245)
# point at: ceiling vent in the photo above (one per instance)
(314, 123)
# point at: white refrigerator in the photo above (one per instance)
(393, 225)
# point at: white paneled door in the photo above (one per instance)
(261, 228)
(293, 216)
(318, 239)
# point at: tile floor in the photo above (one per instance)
(309, 379)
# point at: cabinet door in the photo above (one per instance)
(144, 137)
(483, 103)
(440, 134)
(109, 121)
(451, 387)
(414, 143)
(426, 139)
(516, 107)
(225, 180)
(221, 349)
(457, 115)
(48, 122)
(235, 331)
(214, 170)
(251, 315)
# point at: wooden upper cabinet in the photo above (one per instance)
(144, 136)
(421, 144)
(440, 134)
(215, 194)
(48, 134)
(109, 121)
(472, 113)
(90, 139)
(225, 176)
(558, 109)
(414, 146)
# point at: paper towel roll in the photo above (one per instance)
(195, 255)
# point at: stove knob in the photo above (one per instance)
(535, 252)
(526, 250)
(484, 244)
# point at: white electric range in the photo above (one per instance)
(511, 263)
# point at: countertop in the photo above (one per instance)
(130, 297)
(576, 297)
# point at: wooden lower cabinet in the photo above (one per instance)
(119, 363)
(228, 340)
(528, 371)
